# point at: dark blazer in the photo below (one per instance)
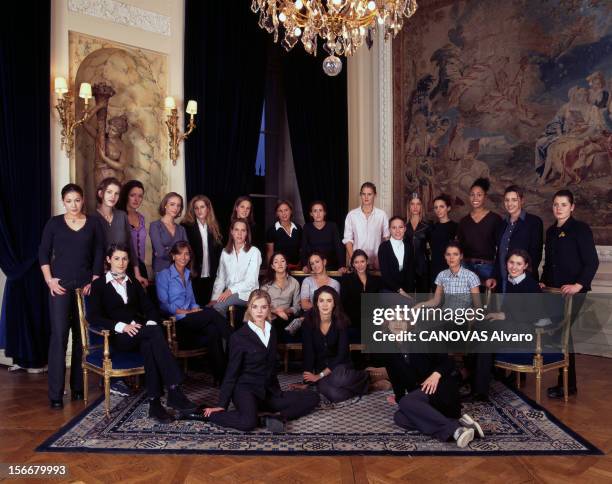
(408, 371)
(324, 351)
(351, 290)
(105, 308)
(527, 235)
(214, 249)
(251, 366)
(570, 255)
(393, 279)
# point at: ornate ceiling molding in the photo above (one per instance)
(121, 13)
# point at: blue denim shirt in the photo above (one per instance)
(171, 292)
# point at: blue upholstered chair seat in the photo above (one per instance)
(527, 358)
(122, 360)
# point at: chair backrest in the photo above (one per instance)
(566, 323)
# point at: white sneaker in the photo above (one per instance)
(464, 436)
(470, 423)
(542, 323)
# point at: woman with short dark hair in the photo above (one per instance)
(285, 236)
(322, 236)
(119, 305)
(477, 232)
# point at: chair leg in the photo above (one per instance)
(185, 365)
(286, 359)
(565, 383)
(538, 386)
(107, 395)
(85, 386)
(518, 379)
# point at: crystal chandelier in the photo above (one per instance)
(342, 24)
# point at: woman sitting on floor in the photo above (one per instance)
(426, 390)
(327, 358)
(120, 305)
(251, 381)
(318, 278)
(203, 326)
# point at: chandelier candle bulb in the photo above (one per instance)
(341, 25)
(85, 91)
(192, 107)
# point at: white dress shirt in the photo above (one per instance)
(121, 289)
(263, 335)
(278, 225)
(205, 259)
(398, 250)
(238, 272)
(366, 233)
(517, 280)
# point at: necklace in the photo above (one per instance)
(108, 218)
(73, 221)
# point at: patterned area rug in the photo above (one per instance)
(513, 424)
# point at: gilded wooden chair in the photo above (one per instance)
(98, 358)
(178, 351)
(540, 362)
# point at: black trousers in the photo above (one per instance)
(202, 289)
(161, 369)
(419, 411)
(290, 405)
(206, 327)
(577, 302)
(342, 383)
(64, 317)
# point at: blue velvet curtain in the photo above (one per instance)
(225, 71)
(317, 114)
(25, 32)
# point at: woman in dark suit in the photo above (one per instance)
(416, 237)
(396, 261)
(251, 381)
(570, 263)
(121, 306)
(353, 285)
(71, 255)
(426, 390)
(206, 242)
(325, 341)
(441, 233)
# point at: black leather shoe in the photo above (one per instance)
(480, 397)
(56, 404)
(159, 413)
(557, 392)
(76, 395)
(179, 402)
(197, 414)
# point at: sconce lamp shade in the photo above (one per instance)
(192, 107)
(61, 87)
(85, 91)
(169, 103)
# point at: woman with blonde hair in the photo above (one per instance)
(251, 381)
(204, 236)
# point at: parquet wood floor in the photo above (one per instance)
(25, 421)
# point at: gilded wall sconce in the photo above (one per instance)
(174, 133)
(64, 108)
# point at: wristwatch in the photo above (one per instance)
(322, 375)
